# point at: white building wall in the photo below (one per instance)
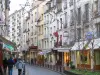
(16, 25)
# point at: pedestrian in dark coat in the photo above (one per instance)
(10, 65)
(5, 63)
(1, 59)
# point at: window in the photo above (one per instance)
(59, 5)
(98, 30)
(65, 18)
(35, 16)
(72, 18)
(79, 33)
(47, 19)
(32, 18)
(32, 40)
(42, 17)
(65, 23)
(99, 7)
(45, 31)
(54, 28)
(45, 44)
(61, 22)
(71, 2)
(79, 15)
(51, 43)
(87, 12)
(42, 29)
(65, 4)
(51, 30)
(57, 24)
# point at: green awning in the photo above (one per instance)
(7, 42)
(8, 47)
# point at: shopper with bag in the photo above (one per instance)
(1, 59)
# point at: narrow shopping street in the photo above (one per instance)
(33, 70)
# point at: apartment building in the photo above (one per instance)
(4, 13)
(70, 32)
(73, 21)
(16, 20)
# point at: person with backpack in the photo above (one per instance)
(10, 65)
(20, 66)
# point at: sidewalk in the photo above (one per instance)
(15, 71)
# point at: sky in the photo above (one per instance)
(15, 5)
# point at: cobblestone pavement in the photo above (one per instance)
(33, 70)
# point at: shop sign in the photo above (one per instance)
(89, 35)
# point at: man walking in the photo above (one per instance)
(20, 66)
(1, 59)
(10, 65)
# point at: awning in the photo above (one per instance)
(62, 49)
(4, 40)
(9, 47)
(44, 52)
(80, 45)
(96, 44)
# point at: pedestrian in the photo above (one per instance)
(5, 63)
(1, 58)
(20, 66)
(15, 61)
(10, 65)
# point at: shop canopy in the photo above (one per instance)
(6, 46)
(43, 52)
(82, 44)
(62, 49)
(8, 43)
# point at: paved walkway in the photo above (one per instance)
(32, 70)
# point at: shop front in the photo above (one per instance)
(83, 59)
(33, 52)
(63, 58)
(97, 59)
(67, 60)
(44, 57)
(87, 55)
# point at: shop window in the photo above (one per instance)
(97, 57)
(83, 56)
